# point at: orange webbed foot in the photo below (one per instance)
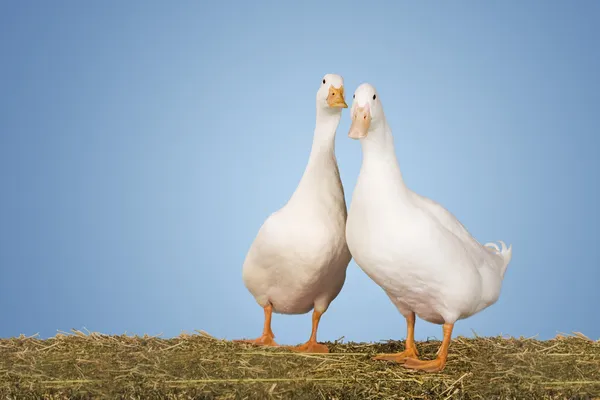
(261, 341)
(310, 347)
(440, 362)
(398, 357)
(428, 366)
(266, 339)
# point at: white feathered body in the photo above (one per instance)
(299, 257)
(418, 252)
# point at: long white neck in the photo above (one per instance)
(379, 155)
(323, 146)
(321, 174)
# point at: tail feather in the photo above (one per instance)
(505, 252)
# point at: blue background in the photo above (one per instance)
(142, 145)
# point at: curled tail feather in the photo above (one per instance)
(505, 252)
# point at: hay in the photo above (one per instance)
(82, 366)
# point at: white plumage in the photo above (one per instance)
(417, 251)
(299, 257)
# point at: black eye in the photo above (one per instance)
(353, 96)
(323, 80)
(374, 96)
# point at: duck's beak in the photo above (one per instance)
(335, 98)
(361, 120)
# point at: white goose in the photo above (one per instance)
(418, 252)
(299, 257)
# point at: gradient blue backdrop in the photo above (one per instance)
(142, 144)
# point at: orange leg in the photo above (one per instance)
(410, 347)
(440, 362)
(267, 336)
(312, 346)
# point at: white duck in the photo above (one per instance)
(418, 252)
(299, 257)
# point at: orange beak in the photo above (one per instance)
(335, 98)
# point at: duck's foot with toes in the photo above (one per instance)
(311, 347)
(266, 339)
(440, 362)
(399, 357)
(428, 366)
